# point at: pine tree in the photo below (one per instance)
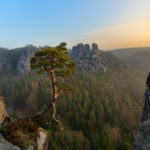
(56, 62)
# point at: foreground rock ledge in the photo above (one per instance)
(42, 138)
(5, 145)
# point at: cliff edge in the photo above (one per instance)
(142, 140)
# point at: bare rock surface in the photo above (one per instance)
(42, 140)
(142, 140)
(3, 110)
(5, 145)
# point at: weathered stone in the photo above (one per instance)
(142, 140)
(23, 64)
(94, 60)
(146, 109)
(5, 145)
(3, 110)
(87, 46)
(42, 140)
(148, 81)
(94, 46)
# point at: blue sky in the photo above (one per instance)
(110, 23)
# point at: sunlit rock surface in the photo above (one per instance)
(42, 140)
(3, 110)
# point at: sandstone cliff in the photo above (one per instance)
(142, 140)
(88, 58)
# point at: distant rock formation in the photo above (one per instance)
(88, 58)
(23, 64)
(142, 140)
(93, 59)
(3, 110)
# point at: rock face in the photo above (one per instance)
(93, 59)
(23, 64)
(42, 139)
(3, 110)
(88, 58)
(142, 140)
(146, 109)
(17, 60)
(5, 145)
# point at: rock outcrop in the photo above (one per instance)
(142, 140)
(93, 59)
(5, 145)
(23, 64)
(88, 58)
(40, 142)
(3, 110)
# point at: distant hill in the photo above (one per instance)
(140, 61)
(126, 52)
(137, 58)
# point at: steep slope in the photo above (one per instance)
(127, 52)
(140, 61)
(137, 58)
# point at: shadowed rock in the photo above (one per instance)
(142, 140)
(94, 46)
(87, 46)
(148, 80)
(5, 145)
(146, 109)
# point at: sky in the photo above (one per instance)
(110, 23)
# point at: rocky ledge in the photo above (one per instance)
(20, 135)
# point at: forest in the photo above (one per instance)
(102, 112)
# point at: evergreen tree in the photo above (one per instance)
(56, 62)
